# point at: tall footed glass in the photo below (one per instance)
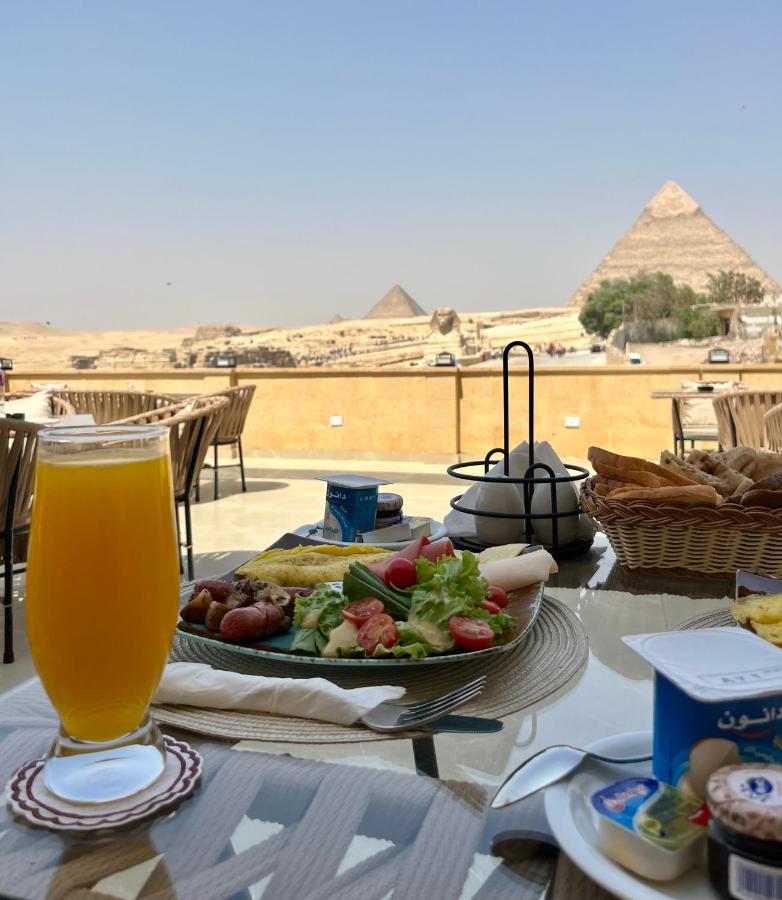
(101, 602)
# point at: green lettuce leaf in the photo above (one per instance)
(453, 587)
(321, 611)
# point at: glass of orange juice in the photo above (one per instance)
(101, 602)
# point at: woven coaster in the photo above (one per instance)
(714, 618)
(554, 651)
(29, 797)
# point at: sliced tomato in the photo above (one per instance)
(490, 606)
(470, 633)
(360, 611)
(380, 629)
(400, 573)
(497, 595)
(438, 549)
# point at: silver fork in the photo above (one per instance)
(392, 716)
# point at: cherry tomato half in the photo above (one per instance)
(470, 633)
(380, 629)
(490, 606)
(497, 595)
(400, 573)
(360, 611)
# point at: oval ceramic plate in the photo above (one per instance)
(523, 604)
(573, 821)
(314, 533)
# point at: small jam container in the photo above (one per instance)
(650, 827)
(745, 832)
(389, 510)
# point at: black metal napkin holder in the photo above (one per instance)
(530, 479)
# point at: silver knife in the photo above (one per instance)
(464, 724)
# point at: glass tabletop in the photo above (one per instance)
(277, 820)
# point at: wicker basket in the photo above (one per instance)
(692, 541)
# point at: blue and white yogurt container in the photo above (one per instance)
(351, 506)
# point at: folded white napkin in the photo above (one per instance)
(195, 684)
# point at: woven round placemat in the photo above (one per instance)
(714, 618)
(553, 652)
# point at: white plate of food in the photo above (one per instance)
(314, 532)
(574, 823)
(349, 612)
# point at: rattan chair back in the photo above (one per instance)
(192, 428)
(773, 425)
(748, 410)
(111, 406)
(60, 407)
(18, 451)
(726, 430)
(232, 424)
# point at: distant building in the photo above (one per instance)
(674, 235)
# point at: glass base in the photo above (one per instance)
(85, 772)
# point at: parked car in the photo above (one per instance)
(445, 359)
(634, 359)
(718, 355)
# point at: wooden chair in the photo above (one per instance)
(192, 428)
(112, 406)
(748, 410)
(60, 407)
(726, 429)
(693, 433)
(231, 428)
(773, 425)
(18, 448)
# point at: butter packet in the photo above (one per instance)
(649, 827)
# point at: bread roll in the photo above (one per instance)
(733, 483)
(755, 464)
(672, 463)
(690, 495)
(627, 468)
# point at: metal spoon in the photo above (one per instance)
(546, 767)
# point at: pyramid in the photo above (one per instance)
(396, 304)
(675, 236)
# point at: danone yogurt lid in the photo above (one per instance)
(748, 798)
(713, 664)
(352, 481)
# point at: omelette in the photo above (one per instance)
(308, 566)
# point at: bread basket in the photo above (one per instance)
(694, 541)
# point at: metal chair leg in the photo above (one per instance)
(241, 465)
(8, 597)
(215, 446)
(189, 539)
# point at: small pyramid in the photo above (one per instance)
(396, 304)
(337, 319)
(675, 236)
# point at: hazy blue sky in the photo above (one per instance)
(281, 162)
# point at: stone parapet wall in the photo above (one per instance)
(434, 414)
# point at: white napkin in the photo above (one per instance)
(195, 684)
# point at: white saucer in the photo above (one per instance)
(573, 821)
(313, 532)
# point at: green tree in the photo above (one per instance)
(650, 298)
(612, 303)
(734, 289)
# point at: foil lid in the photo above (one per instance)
(748, 798)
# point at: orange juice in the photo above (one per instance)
(102, 585)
